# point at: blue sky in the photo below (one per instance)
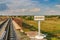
(29, 7)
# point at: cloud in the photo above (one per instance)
(22, 11)
(49, 10)
(20, 6)
(28, 10)
(25, 10)
(35, 10)
(14, 4)
(58, 6)
(52, 11)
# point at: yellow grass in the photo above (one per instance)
(51, 25)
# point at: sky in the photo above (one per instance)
(29, 7)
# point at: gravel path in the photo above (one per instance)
(3, 29)
(17, 27)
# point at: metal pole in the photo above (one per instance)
(39, 28)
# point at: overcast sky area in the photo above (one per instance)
(29, 7)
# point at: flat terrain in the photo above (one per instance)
(50, 27)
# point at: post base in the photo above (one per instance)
(39, 37)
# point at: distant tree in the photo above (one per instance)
(29, 17)
(59, 17)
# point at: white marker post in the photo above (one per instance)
(39, 28)
(39, 18)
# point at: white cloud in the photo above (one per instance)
(52, 11)
(20, 6)
(27, 7)
(28, 10)
(25, 10)
(58, 6)
(20, 11)
(14, 4)
(49, 10)
(35, 10)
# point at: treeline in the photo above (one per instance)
(28, 17)
(57, 16)
(32, 17)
